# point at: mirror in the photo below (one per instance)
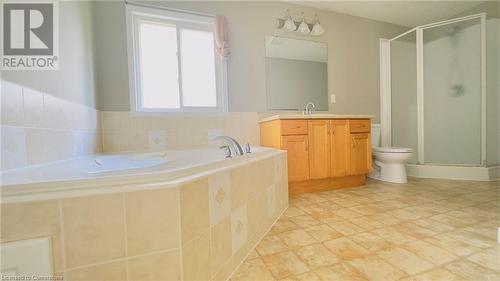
(296, 73)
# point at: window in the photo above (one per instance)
(172, 62)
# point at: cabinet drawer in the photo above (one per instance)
(294, 127)
(360, 126)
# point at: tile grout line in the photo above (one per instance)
(63, 243)
(125, 232)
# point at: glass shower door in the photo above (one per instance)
(452, 93)
(404, 93)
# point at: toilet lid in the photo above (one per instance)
(392, 149)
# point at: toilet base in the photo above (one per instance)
(395, 173)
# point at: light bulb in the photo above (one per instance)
(303, 27)
(317, 28)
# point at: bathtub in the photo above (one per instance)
(161, 209)
(114, 169)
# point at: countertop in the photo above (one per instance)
(314, 116)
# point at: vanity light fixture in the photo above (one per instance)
(317, 28)
(288, 24)
(303, 27)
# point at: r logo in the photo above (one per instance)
(28, 29)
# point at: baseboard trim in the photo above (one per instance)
(454, 172)
(296, 188)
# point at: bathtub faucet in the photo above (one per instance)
(233, 144)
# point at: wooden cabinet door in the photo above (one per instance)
(340, 148)
(319, 149)
(298, 156)
(361, 155)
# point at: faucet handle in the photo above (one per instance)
(227, 151)
(248, 149)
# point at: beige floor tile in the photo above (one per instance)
(304, 221)
(489, 258)
(283, 225)
(296, 238)
(472, 238)
(467, 270)
(308, 276)
(416, 231)
(394, 235)
(285, 264)
(346, 249)
(370, 241)
(404, 215)
(436, 274)
(293, 212)
(376, 269)
(316, 255)
(405, 260)
(339, 272)
(347, 213)
(456, 247)
(450, 220)
(433, 225)
(328, 217)
(271, 244)
(430, 252)
(485, 229)
(323, 232)
(252, 270)
(346, 227)
(367, 223)
(384, 218)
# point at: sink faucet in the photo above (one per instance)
(307, 110)
(232, 143)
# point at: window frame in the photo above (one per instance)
(181, 20)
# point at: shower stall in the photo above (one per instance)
(440, 88)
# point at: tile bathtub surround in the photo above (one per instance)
(424, 230)
(191, 231)
(37, 128)
(124, 131)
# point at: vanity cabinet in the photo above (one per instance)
(340, 153)
(297, 148)
(327, 148)
(319, 151)
(360, 154)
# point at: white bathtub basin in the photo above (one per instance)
(119, 169)
(121, 162)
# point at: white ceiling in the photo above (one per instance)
(405, 12)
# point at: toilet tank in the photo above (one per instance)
(375, 134)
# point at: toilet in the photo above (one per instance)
(388, 162)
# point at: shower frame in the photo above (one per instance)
(386, 94)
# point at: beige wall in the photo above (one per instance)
(353, 50)
(74, 81)
(50, 115)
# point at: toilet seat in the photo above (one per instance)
(392, 149)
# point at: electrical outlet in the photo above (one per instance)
(157, 140)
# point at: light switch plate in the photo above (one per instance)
(333, 98)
